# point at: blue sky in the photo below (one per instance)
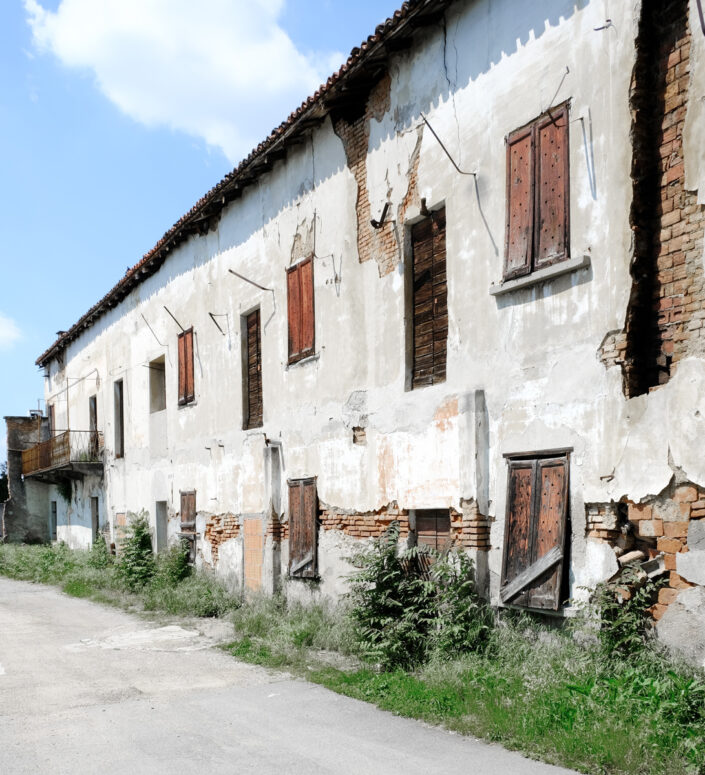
(115, 117)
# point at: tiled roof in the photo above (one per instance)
(364, 62)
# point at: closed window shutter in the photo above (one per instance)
(534, 536)
(307, 309)
(520, 204)
(552, 192)
(188, 337)
(440, 297)
(430, 300)
(303, 528)
(188, 511)
(182, 368)
(185, 353)
(293, 300)
(433, 529)
(300, 308)
(254, 371)
(552, 480)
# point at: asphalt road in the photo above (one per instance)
(89, 689)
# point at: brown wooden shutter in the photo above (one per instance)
(433, 528)
(254, 371)
(520, 204)
(534, 537)
(293, 301)
(552, 188)
(182, 368)
(303, 528)
(188, 511)
(186, 382)
(518, 526)
(430, 300)
(307, 308)
(440, 297)
(552, 481)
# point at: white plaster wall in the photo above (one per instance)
(498, 65)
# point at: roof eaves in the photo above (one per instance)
(250, 168)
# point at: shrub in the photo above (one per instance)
(621, 610)
(172, 565)
(403, 612)
(99, 556)
(136, 564)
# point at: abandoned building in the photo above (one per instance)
(460, 287)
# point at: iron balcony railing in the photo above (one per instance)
(62, 449)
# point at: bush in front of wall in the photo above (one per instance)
(99, 556)
(136, 564)
(405, 611)
(172, 565)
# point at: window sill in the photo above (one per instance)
(540, 276)
(188, 405)
(303, 361)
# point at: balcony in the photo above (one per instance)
(66, 455)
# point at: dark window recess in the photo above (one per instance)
(95, 518)
(433, 529)
(253, 371)
(303, 528)
(157, 385)
(538, 197)
(535, 532)
(429, 300)
(53, 521)
(186, 389)
(52, 420)
(119, 413)
(188, 523)
(300, 309)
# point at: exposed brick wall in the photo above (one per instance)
(219, 529)
(667, 304)
(370, 524)
(383, 244)
(277, 530)
(468, 528)
(658, 526)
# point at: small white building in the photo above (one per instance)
(461, 287)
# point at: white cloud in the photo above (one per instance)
(222, 70)
(9, 332)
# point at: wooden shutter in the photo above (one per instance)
(185, 353)
(293, 302)
(433, 528)
(552, 188)
(518, 526)
(300, 310)
(534, 536)
(188, 511)
(307, 308)
(520, 204)
(430, 300)
(552, 484)
(182, 368)
(303, 528)
(254, 371)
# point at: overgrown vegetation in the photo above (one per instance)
(410, 605)
(598, 696)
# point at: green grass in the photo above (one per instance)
(529, 688)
